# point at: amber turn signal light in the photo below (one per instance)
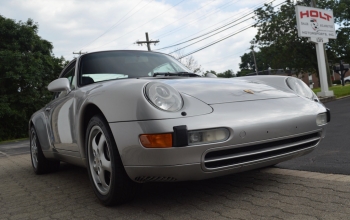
(156, 140)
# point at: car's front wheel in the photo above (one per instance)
(110, 182)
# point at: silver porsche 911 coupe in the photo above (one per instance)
(136, 116)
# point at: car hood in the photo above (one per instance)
(215, 91)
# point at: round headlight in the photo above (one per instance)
(164, 96)
(299, 87)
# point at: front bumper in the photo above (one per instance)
(255, 123)
(194, 171)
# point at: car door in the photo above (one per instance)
(60, 114)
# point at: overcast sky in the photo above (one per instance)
(74, 25)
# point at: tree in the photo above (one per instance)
(27, 65)
(263, 61)
(189, 62)
(340, 47)
(244, 72)
(247, 62)
(226, 74)
(278, 39)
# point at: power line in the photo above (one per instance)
(174, 45)
(243, 16)
(215, 34)
(224, 57)
(197, 19)
(121, 20)
(184, 16)
(204, 35)
(215, 42)
(177, 20)
(210, 36)
(142, 24)
(216, 24)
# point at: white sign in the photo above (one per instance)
(315, 22)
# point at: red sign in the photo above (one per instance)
(315, 14)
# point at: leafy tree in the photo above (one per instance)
(341, 46)
(278, 39)
(247, 62)
(244, 72)
(27, 65)
(226, 74)
(263, 61)
(280, 46)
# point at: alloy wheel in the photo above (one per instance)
(100, 163)
(34, 149)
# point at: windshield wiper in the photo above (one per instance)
(176, 74)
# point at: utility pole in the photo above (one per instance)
(80, 53)
(252, 48)
(148, 42)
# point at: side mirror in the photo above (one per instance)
(210, 75)
(59, 85)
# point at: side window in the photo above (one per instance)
(70, 75)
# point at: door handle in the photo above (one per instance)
(47, 109)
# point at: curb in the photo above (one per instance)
(307, 174)
(331, 98)
(326, 99)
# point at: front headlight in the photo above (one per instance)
(321, 119)
(299, 87)
(163, 96)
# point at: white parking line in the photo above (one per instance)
(3, 153)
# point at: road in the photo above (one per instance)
(333, 154)
(14, 148)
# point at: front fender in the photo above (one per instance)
(39, 122)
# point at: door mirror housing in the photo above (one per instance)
(59, 85)
(210, 75)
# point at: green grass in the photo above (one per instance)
(14, 140)
(339, 91)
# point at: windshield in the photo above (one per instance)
(110, 65)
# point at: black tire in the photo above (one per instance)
(40, 164)
(110, 182)
(347, 81)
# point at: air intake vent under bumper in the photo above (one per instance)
(258, 152)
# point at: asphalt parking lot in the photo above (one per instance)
(262, 194)
(333, 154)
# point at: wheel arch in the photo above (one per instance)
(39, 123)
(89, 111)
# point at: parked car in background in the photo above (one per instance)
(347, 79)
(135, 116)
